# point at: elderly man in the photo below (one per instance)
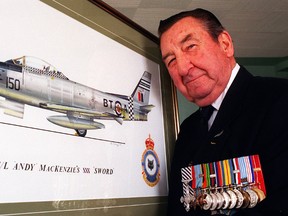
(248, 121)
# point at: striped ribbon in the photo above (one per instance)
(237, 171)
(203, 166)
(212, 174)
(223, 173)
(188, 192)
(206, 177)
(249, 170)
(232, 168)
(199, 175)
(243, 171)
(258, 175)
(227, 173)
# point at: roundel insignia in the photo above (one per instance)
(150, 164)
(118, 108)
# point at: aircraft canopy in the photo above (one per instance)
(41, 65)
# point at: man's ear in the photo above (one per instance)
(226, 43)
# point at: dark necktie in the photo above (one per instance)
(206, 113)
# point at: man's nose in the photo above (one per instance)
(184, 64)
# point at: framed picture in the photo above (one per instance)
(88, 114)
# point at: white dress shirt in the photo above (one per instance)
(217, 103)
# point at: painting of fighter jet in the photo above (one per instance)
(32, 81)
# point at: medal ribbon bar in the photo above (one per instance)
(227, 184)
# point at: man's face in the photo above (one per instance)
(199, 66)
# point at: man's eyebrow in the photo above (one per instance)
(188, 37)
(166, 56)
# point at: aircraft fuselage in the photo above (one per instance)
(50, 89)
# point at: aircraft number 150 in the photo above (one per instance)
(12, 83)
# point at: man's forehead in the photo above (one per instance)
(177, 38)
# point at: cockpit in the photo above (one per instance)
(38, 66)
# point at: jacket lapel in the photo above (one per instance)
(230, 107)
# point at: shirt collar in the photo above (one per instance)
(217, 103)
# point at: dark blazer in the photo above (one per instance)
(252, 119)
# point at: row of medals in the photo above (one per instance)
(228, 198)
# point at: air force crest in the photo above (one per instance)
(150, 164)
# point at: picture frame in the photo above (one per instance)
(101, 18)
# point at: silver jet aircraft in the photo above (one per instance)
(32, 81)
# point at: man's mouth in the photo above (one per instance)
(189, 78)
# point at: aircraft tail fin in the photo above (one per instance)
(142, 91)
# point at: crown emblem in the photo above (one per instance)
(149, 143)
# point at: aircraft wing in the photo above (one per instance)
(12, 108)
(82, 113)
